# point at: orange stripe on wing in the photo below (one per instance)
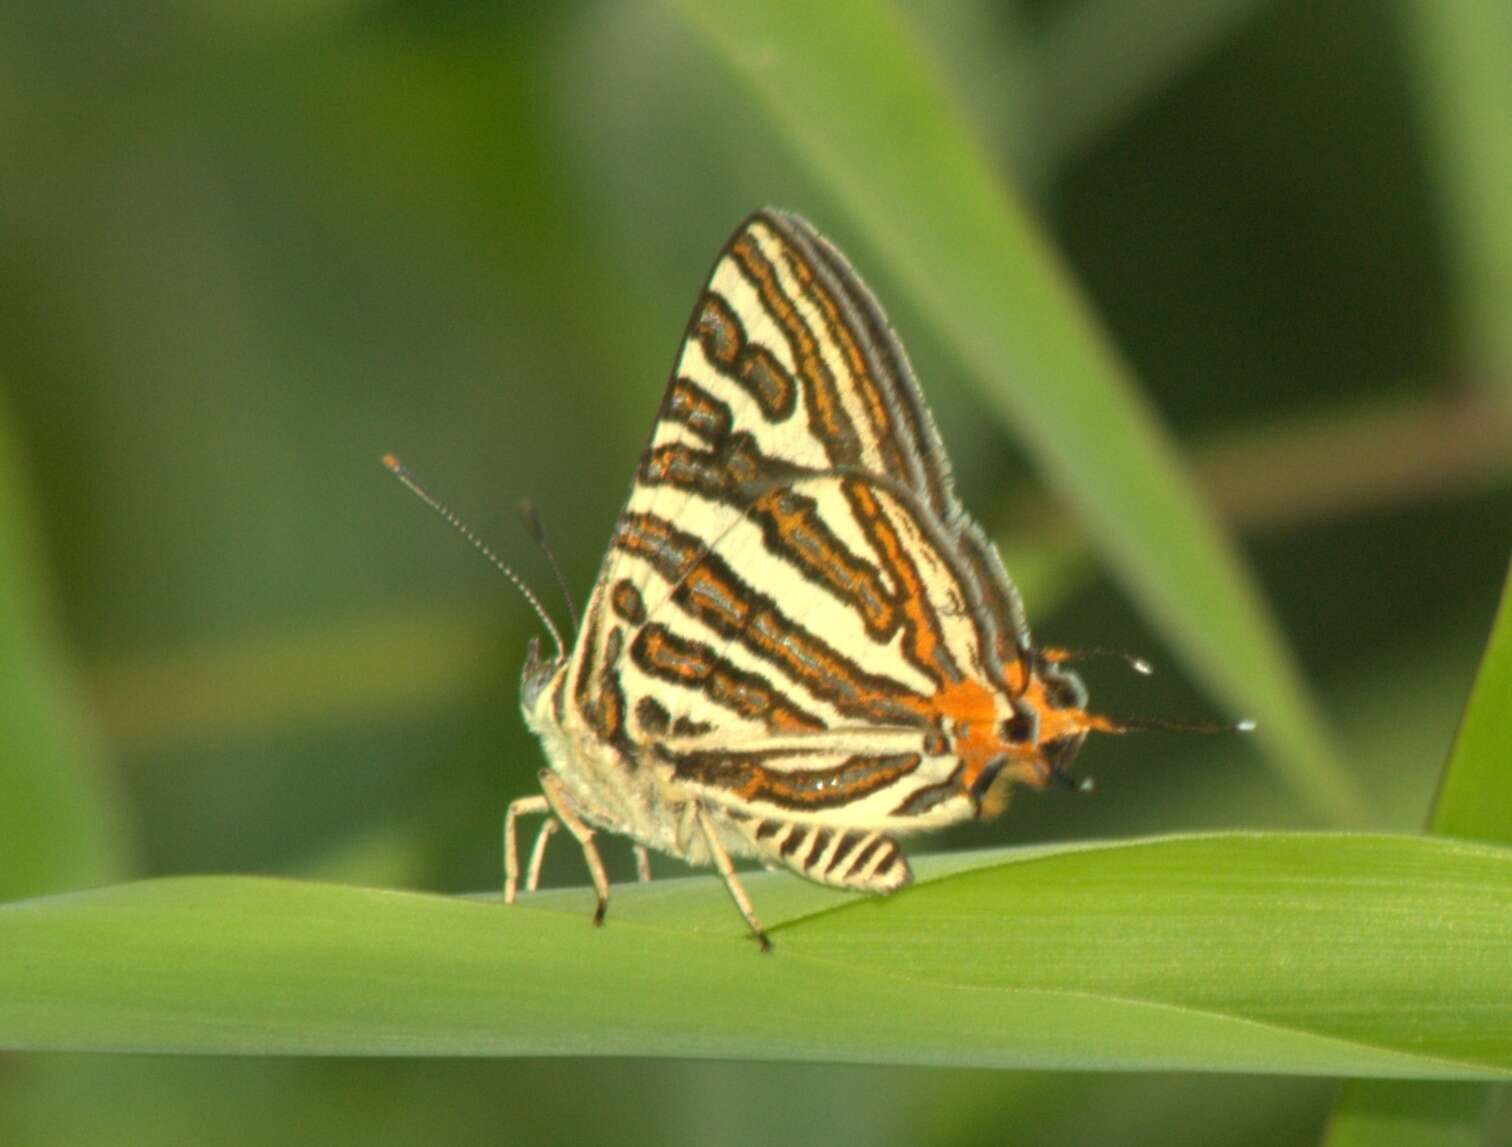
(697, 409)
(827, 417)
(912, 429)
(795, 530)
(925, 640)
(859, 373)
(753, 368)
(660, 653)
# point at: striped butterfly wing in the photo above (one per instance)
(796, 620)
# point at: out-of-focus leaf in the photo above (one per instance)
(1101, 61)
(1414, 1114)
(1464, 63)
(58, 820)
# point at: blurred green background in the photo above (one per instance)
(244, 250)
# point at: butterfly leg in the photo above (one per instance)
(642, 864)
(726, 868)
(556, 796)
(525, 806)
(538, 853)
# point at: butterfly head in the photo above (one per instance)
(1050, 722)
(1047, 722)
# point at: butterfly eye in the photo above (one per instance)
(1021, 728)
(1065, 691)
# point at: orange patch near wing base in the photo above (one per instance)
(969, 710)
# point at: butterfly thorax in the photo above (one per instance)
(604, 776)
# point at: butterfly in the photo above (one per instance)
(800, 648)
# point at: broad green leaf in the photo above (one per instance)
(1295, 953)
(1475, 795)
(846, 86)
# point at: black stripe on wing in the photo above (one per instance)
(708, 589)
(780, 779)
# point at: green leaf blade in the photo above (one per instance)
(1475, 794)
(1241, 953)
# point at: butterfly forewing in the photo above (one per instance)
(785, 582)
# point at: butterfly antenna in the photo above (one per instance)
(537, 530)
(1160, 725)
(400, 471)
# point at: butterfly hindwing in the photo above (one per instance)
(899, 779)
(857, 859)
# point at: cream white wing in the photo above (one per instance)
(792, 561)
